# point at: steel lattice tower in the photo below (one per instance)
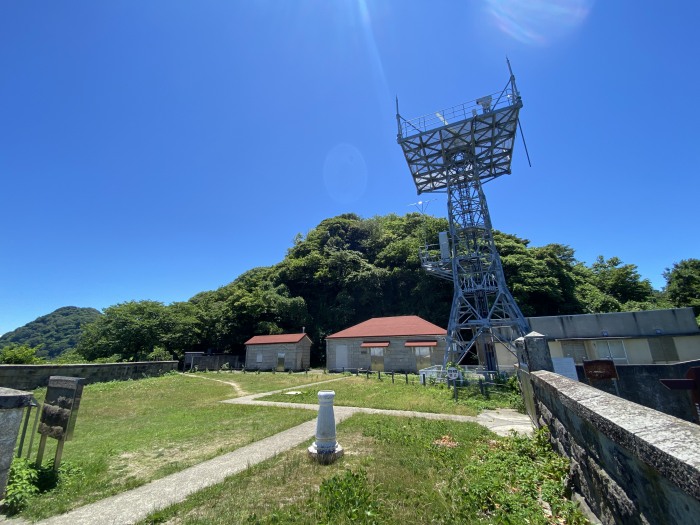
(456, 151)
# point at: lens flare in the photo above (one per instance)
(538, 22)
(345, 173)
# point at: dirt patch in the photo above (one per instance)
(239, 391)
(446, 441)
(144, 465)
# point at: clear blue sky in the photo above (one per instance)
(153, 150)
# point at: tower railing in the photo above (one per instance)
(467, 110)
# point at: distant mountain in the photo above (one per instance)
(56, 332)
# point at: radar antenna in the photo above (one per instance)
(456, 151)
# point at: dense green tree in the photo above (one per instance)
(181, 329)
(15, 354)
(129, 330)
(683, 284)
(621, 281)
(543, 280)
(255, 303)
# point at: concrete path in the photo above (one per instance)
(134, 505)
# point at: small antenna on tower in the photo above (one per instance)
(522, 135)
(520, 127)
(421, 206)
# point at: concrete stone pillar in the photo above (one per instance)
(325, 449)
(12, 403)
(536, 353)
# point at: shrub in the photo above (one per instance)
(21, 485)
(26, 480)
(159, 354)
(14, 354)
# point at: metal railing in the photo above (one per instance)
(471, 109)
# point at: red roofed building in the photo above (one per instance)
(278, 352)
(405, 343)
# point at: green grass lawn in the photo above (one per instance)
(258, 382)
(128, 433)
(394, 471)
(373, 393)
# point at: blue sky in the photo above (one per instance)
(153, 150)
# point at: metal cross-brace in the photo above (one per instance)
(457, 157)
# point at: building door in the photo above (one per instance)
(341, 357)
(376, 356)
(280, 361)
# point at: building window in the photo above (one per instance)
(574, 349)
(663, 349)
(421, 351)
(258, 357)
(611, 349)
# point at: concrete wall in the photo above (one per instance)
(638, 350)
(688, 348)
(640, 384)
(505, 357)
(649, 323)
(29, 377)
(631, 463)
(297, 356)
(397, 356)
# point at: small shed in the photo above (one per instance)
(405, 343)
(278, 352)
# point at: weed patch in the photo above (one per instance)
(26, 480)
(395, 471)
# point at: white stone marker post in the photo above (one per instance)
(325, 449)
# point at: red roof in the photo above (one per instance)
(275, 339)
(404, 325)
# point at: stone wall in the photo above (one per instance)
(29, 377)
(631, 463)
(640, 384)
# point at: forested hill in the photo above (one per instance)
(54, 333)
(349, 269)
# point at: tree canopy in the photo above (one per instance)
(683, 284)
(16, 354)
